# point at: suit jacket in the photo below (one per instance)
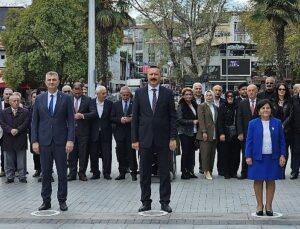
(58, 128)
(121, 130)
(206, 122)
(20, 122)
(186, 117)
(244, 116)
(103, 123)
(254, 142)
(156, 128)
(82, 126)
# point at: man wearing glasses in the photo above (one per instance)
(269, 92)
(66, 89)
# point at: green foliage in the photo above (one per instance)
(46, 36)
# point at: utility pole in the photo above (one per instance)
(92, 47)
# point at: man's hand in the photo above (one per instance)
(123, 120)
(195, 122)
(222, 137)
(36, 147)
(78, 116)
(282, 161)
(249, 161)
(204, 135)
(135, 145)
(172, 145)
(241, 137)
(14, 132)
(69, 146)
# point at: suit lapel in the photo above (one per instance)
(58, 102)
(160, 97)
(146, 98)
(209, 111)
(44, 98)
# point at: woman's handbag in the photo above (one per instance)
(196, 144)
(231, 131)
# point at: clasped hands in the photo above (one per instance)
(282, 161)
(172, 145)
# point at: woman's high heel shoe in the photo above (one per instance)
(269, 213)
(260, 213)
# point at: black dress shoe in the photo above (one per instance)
(45, 206)
(145, 207)
(260, 213)
(133, 177)
(233, 176)
(23, 180)
(166, 208)
(107, 177)
(227, 176)
(95, 177)
(185, 176)
(192, 175)
(82, 178)
(8, 181)
(63, 206)
(37, 173)
(293, 176)
(120, 177)
(242, 177)
(201, 171)
(269, 213)
(71, 178)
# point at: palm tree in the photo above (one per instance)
(111, 17)
(279, 13)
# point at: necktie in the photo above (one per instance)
(252, 107)
(154, 100)
(14, 112)
(51, 111)
(125, 108)
(76, 108)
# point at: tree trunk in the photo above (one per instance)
(103, 65)
(281, 57)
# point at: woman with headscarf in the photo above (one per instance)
(227, 132)
(207, 116)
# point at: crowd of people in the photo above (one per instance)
(210, 123)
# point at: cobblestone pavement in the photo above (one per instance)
(196, 203)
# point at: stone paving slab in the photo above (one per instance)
(101, 204)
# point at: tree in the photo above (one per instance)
(279, 13)
(46, 36)
(180, 24)
(111, 17)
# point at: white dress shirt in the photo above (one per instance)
(100, 106)
(54, 99)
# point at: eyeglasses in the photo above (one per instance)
(281, 89)
(269, 83)
(66, 91)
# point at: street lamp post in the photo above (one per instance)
(91, 55)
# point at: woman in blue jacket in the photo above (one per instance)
(265, 154)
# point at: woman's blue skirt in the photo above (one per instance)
(265, 169)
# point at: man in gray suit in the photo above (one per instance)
(52, 136)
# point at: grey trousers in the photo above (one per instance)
(13, 158)
(208, 151)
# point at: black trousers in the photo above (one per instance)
(126, 156)
(231, 156)
(163, 157)
(296, 154)
(59, 155)
(188, 152)
(36, 161)
(101, 149)
(2, 160)
(79, 154)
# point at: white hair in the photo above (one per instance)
(100, 88)
(125, 89)
(196, 84)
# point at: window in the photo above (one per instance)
(2, 57)
(138, 46)
(139, 57)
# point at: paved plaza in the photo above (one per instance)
(196, 203)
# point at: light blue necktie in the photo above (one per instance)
(51, 111)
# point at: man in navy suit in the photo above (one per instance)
(154, 131)
(121, 116)
(52, 136)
